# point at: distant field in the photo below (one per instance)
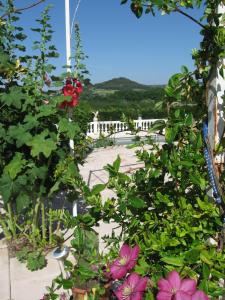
(103, 92)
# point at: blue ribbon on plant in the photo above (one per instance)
(211, 171)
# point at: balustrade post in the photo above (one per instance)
(139, 124)
(95, 125)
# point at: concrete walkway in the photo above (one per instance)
(18, 283)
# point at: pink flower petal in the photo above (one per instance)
(141, 285)
(135, 252)
(180, 295)
(117, 271)
(133, 279)
(199, 295)
(136, 296)
(119, 292)
(133, 257)
(174, 279)
(125, 250)
(188, 286)
(164, 296)
(164, 285)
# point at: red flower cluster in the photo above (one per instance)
(72, 89)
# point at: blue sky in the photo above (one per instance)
(148, 50)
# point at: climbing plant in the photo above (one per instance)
(166, 207)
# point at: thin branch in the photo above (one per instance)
(177, 9)
(16, 10)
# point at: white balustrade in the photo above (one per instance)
(96, 127)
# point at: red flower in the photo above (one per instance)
(126, 261)
(68, 90)
(73, 92)
(133, 288)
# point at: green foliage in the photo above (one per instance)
(34, 260)
(36, 161)
(164, 208)
(103, 141)
(87, 272)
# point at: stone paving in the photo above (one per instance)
(16, 282)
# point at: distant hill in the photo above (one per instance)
(122, 83)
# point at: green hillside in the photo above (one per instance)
(122, 83)
(114, 97)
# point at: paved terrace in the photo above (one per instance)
(16, 282)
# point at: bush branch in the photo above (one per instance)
(177, 9)
(16, 10)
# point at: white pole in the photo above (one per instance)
(68, 45)
(68, 63)
(216, 118)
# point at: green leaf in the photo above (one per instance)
(116, 164)
(175, 261)
(6, 184)
(98, 188)
(204, 285)
(14, 97)
(192, 256)
(177, 113)
(45, 111)
(206, 271)
(189, 120)
(67, 284)
(20, 134)
(16, 165)
(158, 125)
(78, 241)
(40, 144)
(136, 202)
(205, 257)
(205, 206)
(142, 267)
(199, 141)
(22, 254)
(170, 134)
(221, 72)
(54, 188)
(198, 180)
(22, 202)
(72, 129)
(36, 261)
(136, 9)
(123, 1)
(184, 70)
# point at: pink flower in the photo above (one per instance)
(175, 288)
(133, 288)
(199, 295)
(126, 261)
